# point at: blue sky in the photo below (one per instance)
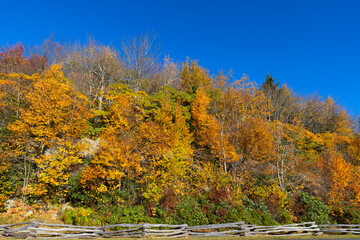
(311, 45)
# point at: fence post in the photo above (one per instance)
(246, 230)
(187, 231)
(146, 230)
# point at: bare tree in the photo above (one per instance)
(93, 67)
(169, 75)
(311, 111)
(40, 57)
(284, 103)
(322, 116)
(141, 56)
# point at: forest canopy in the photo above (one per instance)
(153, 140)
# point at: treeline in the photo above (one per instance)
(125, 137)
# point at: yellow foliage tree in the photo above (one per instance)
(169, 155)
(55, 116)
(193, 77)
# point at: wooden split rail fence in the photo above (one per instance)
(40, 230)
(341, 228)
(298, 229)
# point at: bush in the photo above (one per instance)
(76, 195)
(310, 209)
(348, 215)
(78, 216)
(107, 215)
(257, 213)
(285, 217)
(123, 214)
(189, 211)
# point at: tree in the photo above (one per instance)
(193, 76)
(141, 58)
(320, 116)
(93, 67)
(213, 146)
(13, 89)
(118, 155)
(15, 59)
(341, 177)
(46, 132)
(283, 102)
(12, 58)
(169, 155)
(256, 140)
(269, 86)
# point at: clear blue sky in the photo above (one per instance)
(311, 45)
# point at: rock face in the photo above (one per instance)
(89, 148)
(11, 204)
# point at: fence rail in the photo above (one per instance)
(298, 229)
(40, 230)
(341, 228)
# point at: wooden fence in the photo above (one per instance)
(341, 228)
(298, 229)
(38, 229)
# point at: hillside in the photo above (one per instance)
(125, 138)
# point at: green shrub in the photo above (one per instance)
(163, 216)
(122, 214)
(348, 215)
(189, 211)
(107, 215)
(285, 217)
(79, 216)
(76, 195)
(311, 209)
(221, 213)
(257, 213)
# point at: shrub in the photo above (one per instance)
(189, 211)
(106, 215)
(348, 215)
(310, 209)
(78, 216)
(257, 213)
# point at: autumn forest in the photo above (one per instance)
(127, 136)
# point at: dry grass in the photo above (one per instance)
(26, 213)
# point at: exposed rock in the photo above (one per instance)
(90, 147)
(29, 213)
(10, 204)
(64, 207)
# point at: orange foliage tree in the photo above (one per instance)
(118, 154)
(211, 140)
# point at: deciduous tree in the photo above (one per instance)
(55, 116)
